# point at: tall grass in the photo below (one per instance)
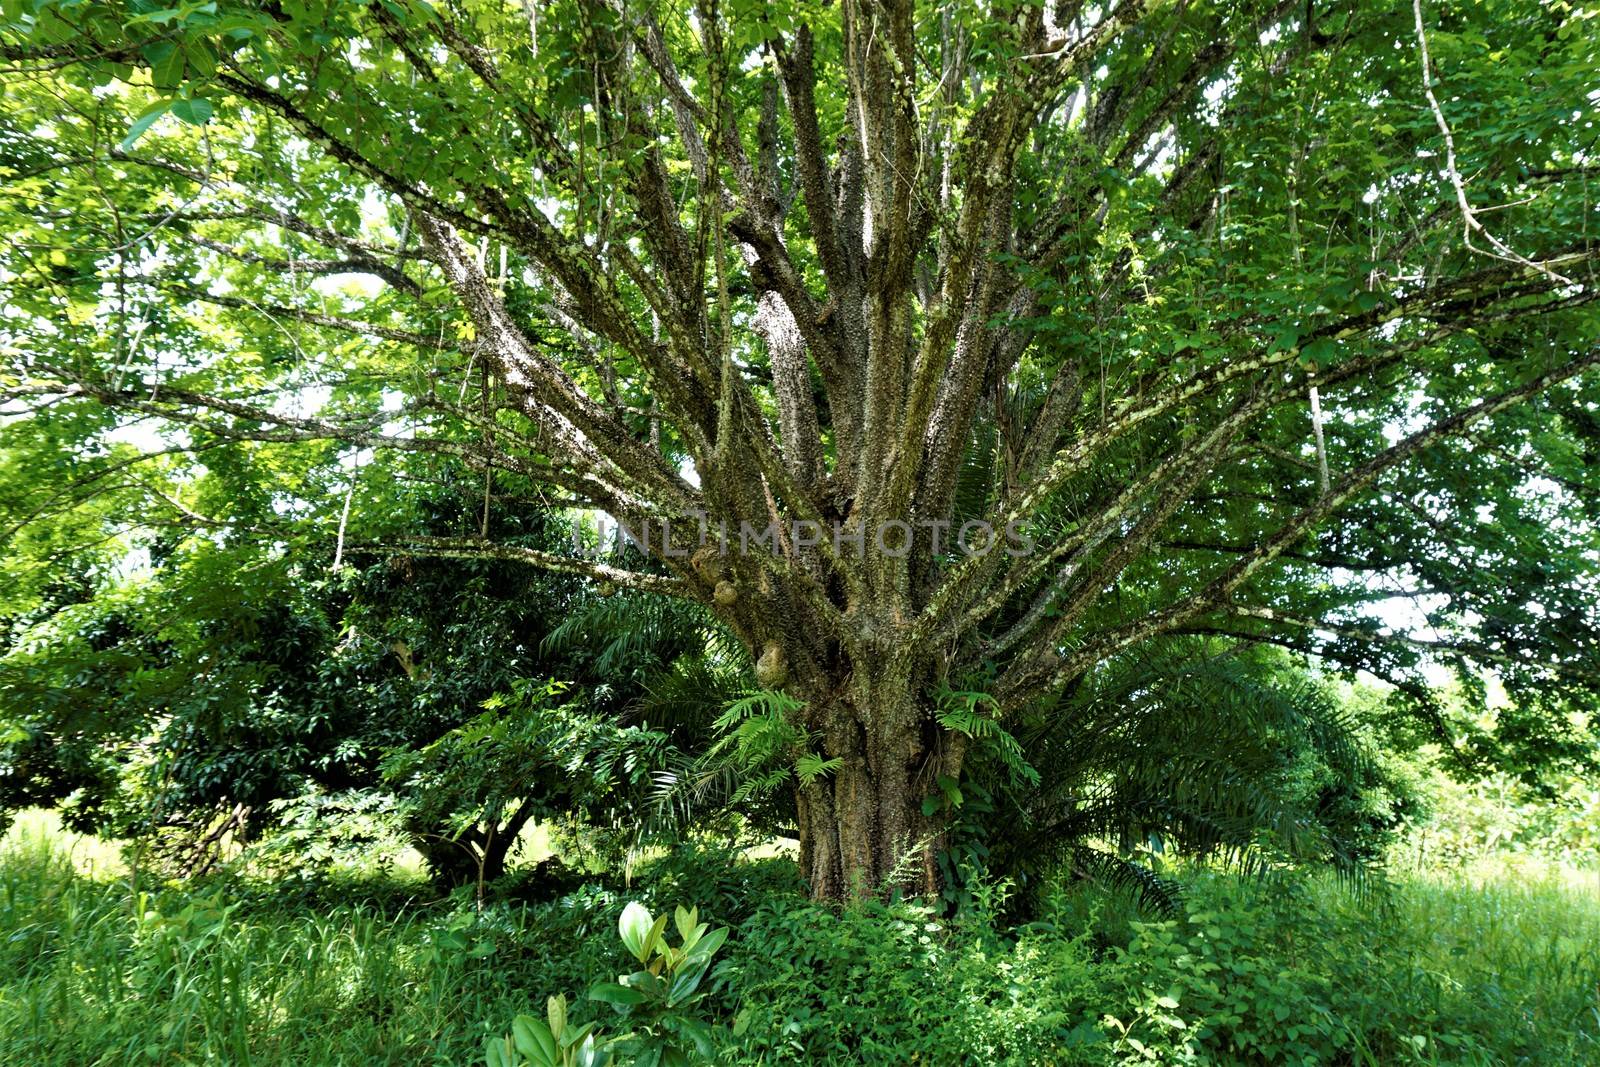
(1493, 965)
(1498, 963)
(93, 971)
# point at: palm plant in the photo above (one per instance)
(1192, 747)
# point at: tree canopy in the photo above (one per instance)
(1035, 338)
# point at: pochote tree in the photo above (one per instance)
(923, 343)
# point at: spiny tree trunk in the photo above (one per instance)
(1016, 271)
(865, 827)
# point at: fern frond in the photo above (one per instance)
(962, 712)
(1189, 745)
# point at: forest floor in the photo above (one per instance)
(1497, 962)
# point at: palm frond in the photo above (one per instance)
(1116, 874)
(1191, 747)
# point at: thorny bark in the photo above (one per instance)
(879, 370)
(863, 828)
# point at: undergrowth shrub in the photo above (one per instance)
(1299, 971)
(894, 983)
(718, 881)
(1286, 970)
(1230, 982)
(661, 1021)
(1434, 969)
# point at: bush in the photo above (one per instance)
(1306, 972)
(1499, 816)
(879, 983)
(1232, 981)
(1282, 970)
(1287, 970)
(719, 882)
(662, 1022)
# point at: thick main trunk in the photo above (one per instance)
(862, 835)
(863, 827)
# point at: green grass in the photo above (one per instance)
(1494, 965)
(94, 970)
(1504, 956)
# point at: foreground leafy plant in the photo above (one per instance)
(656, 1002)
(659, 1001)
(548, 1044)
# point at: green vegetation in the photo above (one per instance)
(641, 533)
(987, 387)
(1491, 966)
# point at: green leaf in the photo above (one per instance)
(653, 938)
(194, 112)
(616, 994)
(1284, 340)
(591, 1054)
(634, 925)
(698, 1033)
(686, 981)
(576, 1035)
(707, 946)
(146, 119)
(1319, 353)
(166, 65)
(534, 1040)
(556, 1010)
